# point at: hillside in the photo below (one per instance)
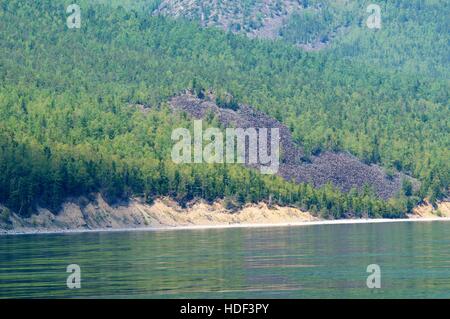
(262, 19)
(343, 170)
(413, 37)
(67, 128)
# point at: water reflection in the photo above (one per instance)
(287, 262)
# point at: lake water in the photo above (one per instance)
(322, 261)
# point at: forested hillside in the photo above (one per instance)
(414, 34)
(69, 125)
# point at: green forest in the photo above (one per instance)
(68, 125)
(414, 34)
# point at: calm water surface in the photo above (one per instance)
(326, 261)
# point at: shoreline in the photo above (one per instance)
(165, 214)
(227, 226)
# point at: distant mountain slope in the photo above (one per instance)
(255, 18)
(414, 36)
(267, 19)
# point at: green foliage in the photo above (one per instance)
(407, 187)
(68, 125)
(413, 38)
(5, 214)
(227, 101)
(309, 26)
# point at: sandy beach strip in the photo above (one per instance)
(228, 226)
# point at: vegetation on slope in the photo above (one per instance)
(66, 127)
(413, 38)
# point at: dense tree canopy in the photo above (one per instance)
(68, 125)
